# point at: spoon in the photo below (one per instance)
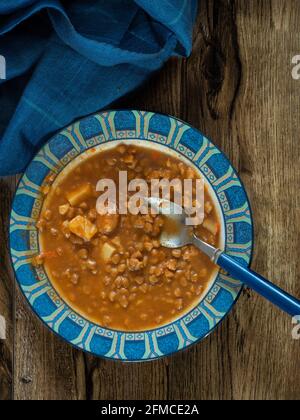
(177, 234)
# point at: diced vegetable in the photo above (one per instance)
(107, 223)
(107, 251)
(80, 194)
(211, 226)
(82, 227)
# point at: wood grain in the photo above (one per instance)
(238, 89)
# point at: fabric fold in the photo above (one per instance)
(67, 59)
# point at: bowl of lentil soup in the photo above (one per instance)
(102, 281)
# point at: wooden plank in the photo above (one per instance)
(44, 366)
(217, 89)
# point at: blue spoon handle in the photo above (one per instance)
(262, 286)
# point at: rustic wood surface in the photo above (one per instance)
(238, 89)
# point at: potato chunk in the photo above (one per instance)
(82, 227)
(107, 223)
(107, 251)
(80, 194)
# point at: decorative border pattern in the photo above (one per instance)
(52, 158)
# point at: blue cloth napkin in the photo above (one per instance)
(66, 59)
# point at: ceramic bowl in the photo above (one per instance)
(158, 131)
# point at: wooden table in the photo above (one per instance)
(237, 88)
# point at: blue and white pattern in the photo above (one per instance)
(119, 126)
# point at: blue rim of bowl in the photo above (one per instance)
(118, 338)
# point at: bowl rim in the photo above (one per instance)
(208, 287)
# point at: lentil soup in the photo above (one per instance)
(111, 268)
